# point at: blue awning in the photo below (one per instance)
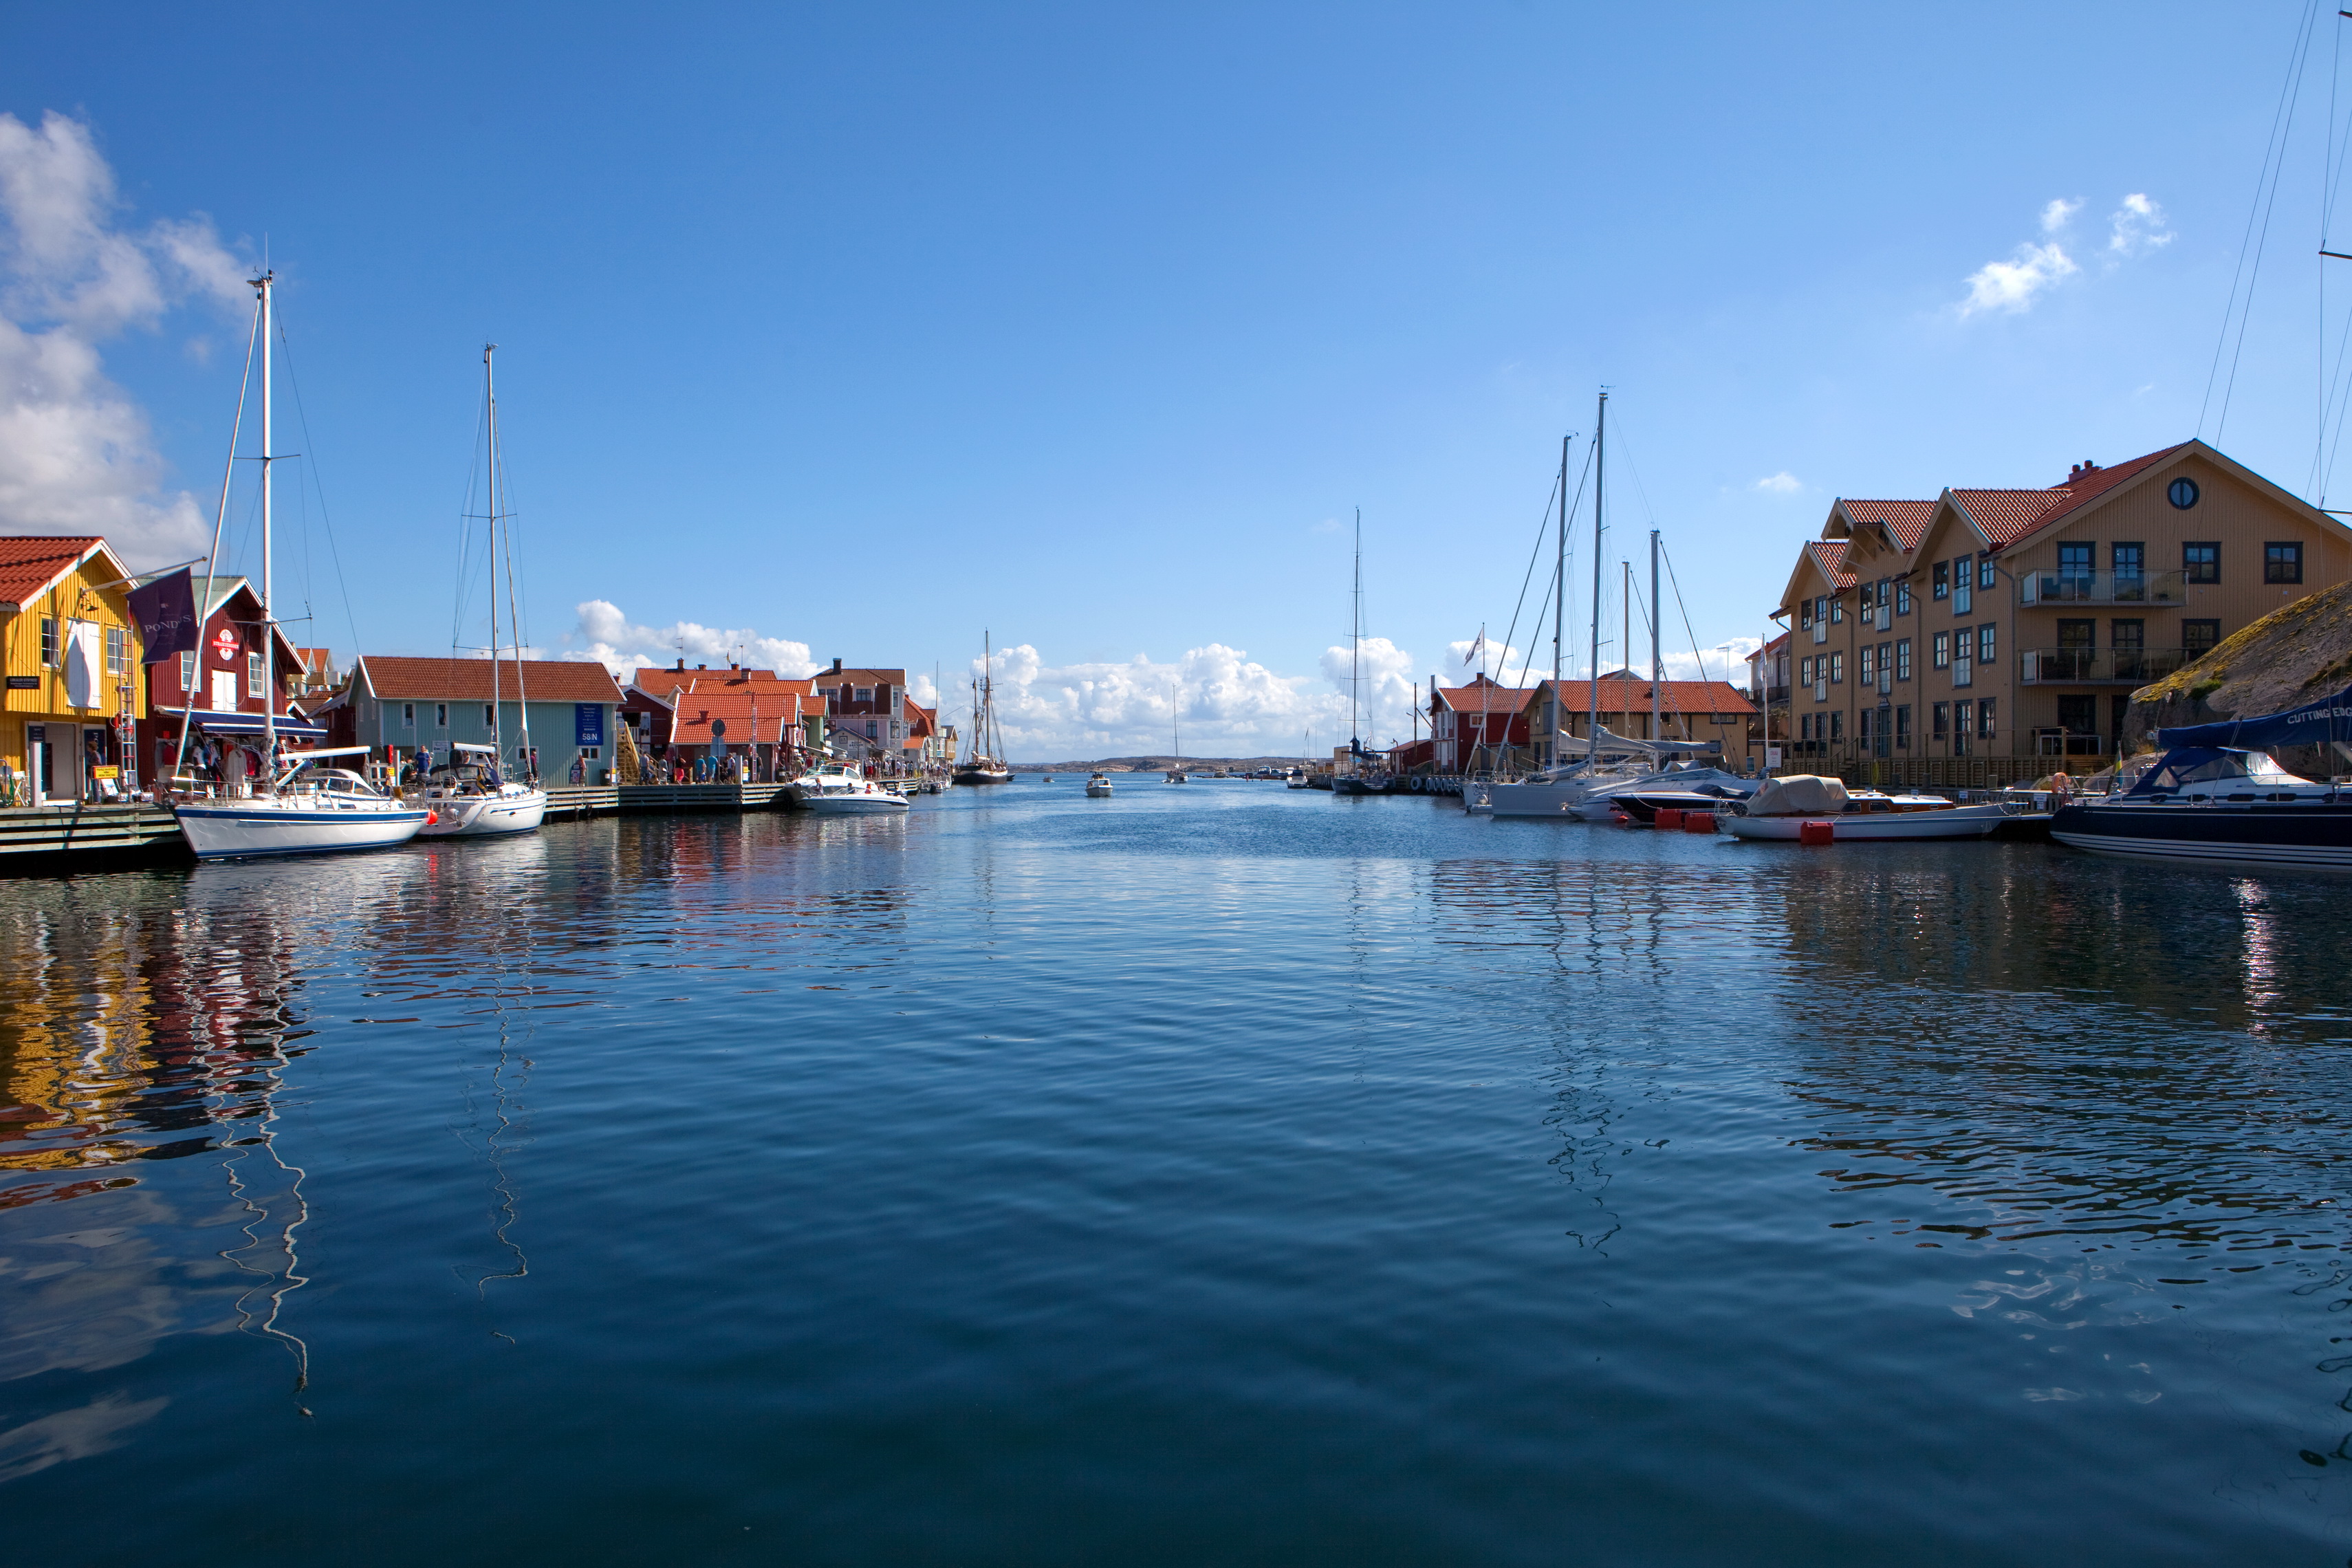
(220, 722)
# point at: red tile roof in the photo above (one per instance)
(1676, 696)
(1485, 696)
(754, 713)
(448, 679)
(1907, 519)
(29, 563)
(2008, 516)
(1829, 554)
(664, 683)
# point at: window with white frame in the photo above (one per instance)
(253, 679)
(117, 651)
(188, 670)
(408, 715)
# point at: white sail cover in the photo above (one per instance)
(1799, 795)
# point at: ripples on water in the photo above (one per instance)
(1215, 1175)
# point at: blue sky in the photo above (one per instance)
(851, 331)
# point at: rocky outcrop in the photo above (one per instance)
(2296, 654)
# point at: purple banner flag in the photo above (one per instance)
(165, 610)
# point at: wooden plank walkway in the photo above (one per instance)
(48, 838)
(569, 800)
(703, 796)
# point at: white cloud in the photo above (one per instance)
(2137, 225)
(606, 635)
(1224, 703)
(75, 453)
(2058, 213)
(1783, 483)
(1726, 660)
(2013, 285)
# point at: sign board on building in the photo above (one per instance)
(24, 683)
(587, 725)
(224, 644)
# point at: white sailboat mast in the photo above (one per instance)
(1559, 604)
(269, 579)
(1600, 489)
(490, 425)
(1657, 666)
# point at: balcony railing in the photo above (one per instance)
(2098, 666)
(2103, 587)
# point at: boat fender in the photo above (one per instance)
(1667, 816)
(431, 817)
(1699, 822)
(1816, 833)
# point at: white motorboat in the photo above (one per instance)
(1098, 786)
(839, 790)
(470, 801)
(1784, 807)
(307, 810)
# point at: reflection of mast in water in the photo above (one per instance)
(498, 1138)
(280, 1283)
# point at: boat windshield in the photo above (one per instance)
(2208, 765)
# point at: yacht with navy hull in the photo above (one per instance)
(2216, 796)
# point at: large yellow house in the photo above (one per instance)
(75, 678)
(1995, 633)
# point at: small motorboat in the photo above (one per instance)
(1098, 786)
(839, 790)
(1783, 807)
(1175, 775)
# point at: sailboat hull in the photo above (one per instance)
(486, 816)
(980, 776)
(250, 829)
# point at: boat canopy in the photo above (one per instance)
(2313, 724)
(225, 721)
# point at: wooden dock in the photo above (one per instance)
(50, 838)
(667, 797)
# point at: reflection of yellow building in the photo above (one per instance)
(74, 675)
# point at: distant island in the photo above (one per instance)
(1163, 764)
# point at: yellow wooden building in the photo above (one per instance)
(75, 676)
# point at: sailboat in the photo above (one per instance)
(468, 798)
(298, 808)
(983, 753)
(1356, 780)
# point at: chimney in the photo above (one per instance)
(681, 661)
(2074, 473)
(837, 666)
(702, 666)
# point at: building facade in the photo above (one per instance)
(230, 679)
(399, 705)
(76, 680)
(2008, 628)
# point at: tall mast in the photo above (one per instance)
(1355, 647)
(1559, 604)
(490, 424)
(269, 579)
(514, 609)
(1657, 669)
(1599, 473)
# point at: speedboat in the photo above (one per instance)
(1098, 786)
(1642, 806)
(839, 790)
(306, 810)
(468, 799)
(2217, 796)
(1783, 807)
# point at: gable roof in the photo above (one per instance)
(396, 678)
(755, 713)
(1674, 696)
(1485, 695)
(31, 564)
(1906, 521)
(847, 676)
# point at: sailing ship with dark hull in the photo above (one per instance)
(983, 756)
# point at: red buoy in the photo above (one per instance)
(1816, 833)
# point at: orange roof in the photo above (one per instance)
(30, 564)
(1485, 696)
(1829, 554)
(831, 678)
(2007, 516)
(1676, 696)
(754, 713)
(468, 679)
(664, 682)
(1907, 520)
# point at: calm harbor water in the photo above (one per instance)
(1222, 1175)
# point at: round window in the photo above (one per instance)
(2182, 493)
